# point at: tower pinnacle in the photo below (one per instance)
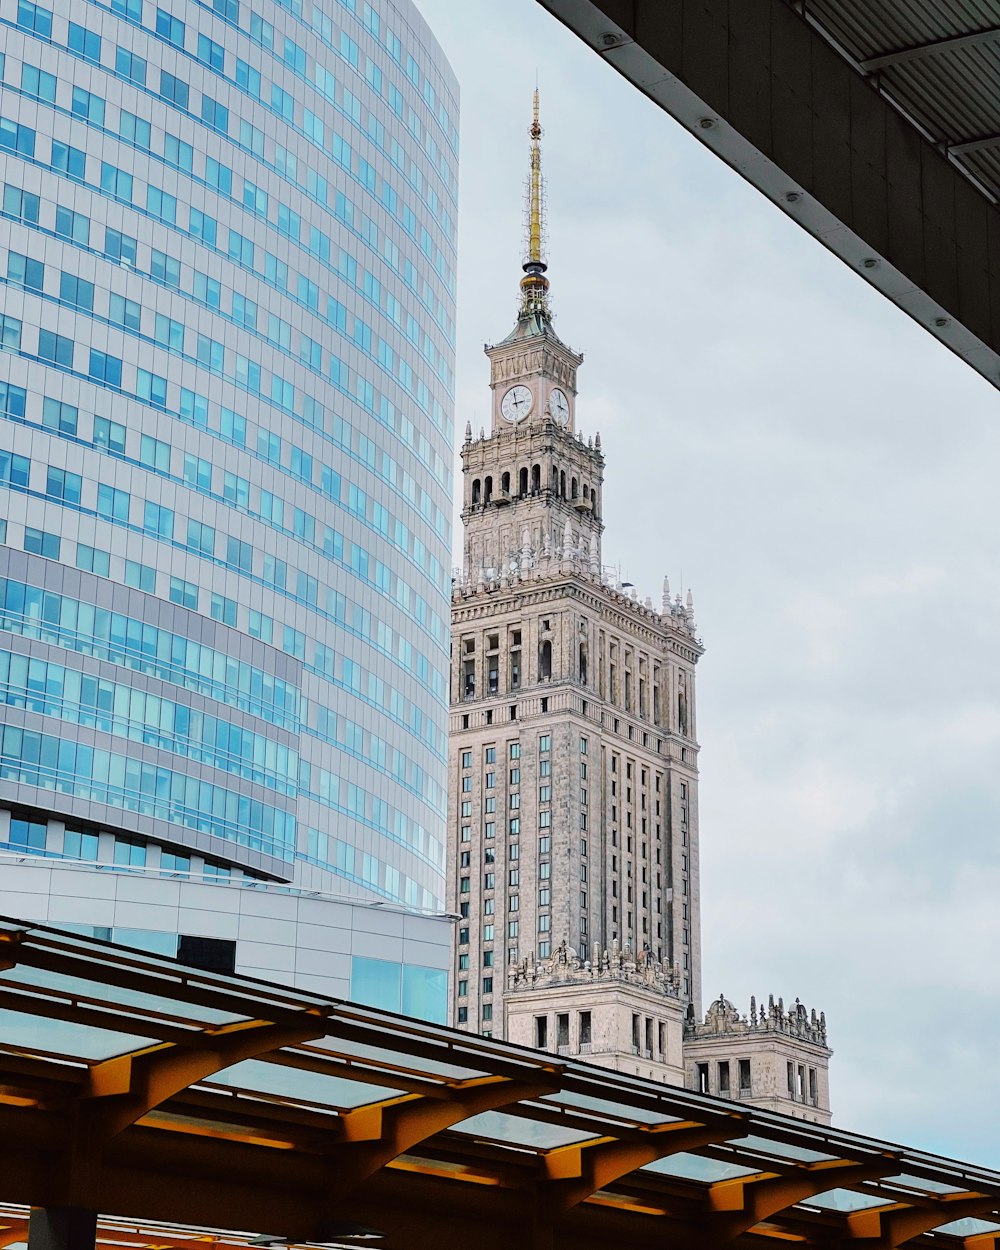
(534, 284)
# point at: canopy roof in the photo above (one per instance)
(171, 1097)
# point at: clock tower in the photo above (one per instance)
(534, 467)
(573, 840)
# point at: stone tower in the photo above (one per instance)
(573, 786)
(573, 763)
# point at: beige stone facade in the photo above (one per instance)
(770, 1058)
(612, 1010)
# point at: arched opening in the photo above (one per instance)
(487, 490)
(545, 661)
(562, 485)
(555, 480)
(536, 478)
(586, 491)
(583, 663)
(522, 481)
(574, 488)
(476, 491)
(505, 483)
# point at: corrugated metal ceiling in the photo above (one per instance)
(950, 91)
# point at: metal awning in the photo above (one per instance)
(938, 63)
(186, 1106)
(875, 124)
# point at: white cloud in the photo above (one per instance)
(824, 475)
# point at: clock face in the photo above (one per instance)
(516, 404)
(559, 405)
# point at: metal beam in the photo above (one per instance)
(901, 55)
(576, 1172)
(885, 1228)
(738, 1206)
(765, 91)
(965, 146)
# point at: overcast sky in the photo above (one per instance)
(824, 476)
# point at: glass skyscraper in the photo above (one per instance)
(227, 255)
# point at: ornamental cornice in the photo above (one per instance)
(489, 603)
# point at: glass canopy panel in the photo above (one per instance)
(781, 1150)
(300, 1084)
(113, 996)
(968, 1228)
(922, 1185)
(846, 1200)
(389, 1058)
(495, 1126)
(623, 1113)
(690, 1167)
(22, 1031)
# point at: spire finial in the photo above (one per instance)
(534, 284)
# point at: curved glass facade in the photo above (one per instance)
(227, 258)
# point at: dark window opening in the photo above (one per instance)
(208, 954)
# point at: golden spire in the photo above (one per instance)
(534, 284)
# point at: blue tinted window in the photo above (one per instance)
(202, 226)
(376, 983)
(130, 9)
(86, 42)
(173, 89)
(161, 205)
(213, 54)
(86, 104)
(105, 368)
(214, 114)
(130, 66)
(118, 246)
(248, 78)
(71, 161)
(61, 484)
(25, 272)
(124, 312)
(170, 28)
(425, 993)
(152, 388)
(60, 416)
(55, 347)
(79, 845)
(109, 434)
(112, 503)
(34, 18)
(135, 130)
(14, 469)
(30, 834)
(72, 225)
(16, 138)
(20, 204)
(116, 182)
(37, 83)
(76, 291)
(41, 543)
(178, 153)
(165, 268)
(219, 176)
